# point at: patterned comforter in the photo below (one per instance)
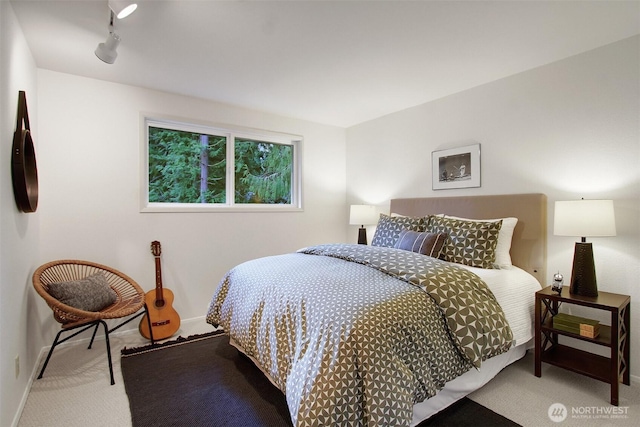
(354, 334)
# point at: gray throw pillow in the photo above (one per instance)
(468, 242)
(389, 228)
(92, 293)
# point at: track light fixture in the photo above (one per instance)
(106, 51)
(118, 9)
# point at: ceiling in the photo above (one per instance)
(334, 62)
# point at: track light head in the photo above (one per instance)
(122, 8)
(107, 51)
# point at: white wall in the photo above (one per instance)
(569, 130)
(18, 231)
(90, 180)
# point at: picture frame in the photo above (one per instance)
(456, 167)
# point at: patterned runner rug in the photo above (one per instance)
(204, 381)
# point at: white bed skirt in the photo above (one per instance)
(466, 383)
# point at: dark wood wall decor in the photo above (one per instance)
(24, 171)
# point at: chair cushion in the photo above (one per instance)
(91, 293)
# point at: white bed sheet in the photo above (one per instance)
(514, 289)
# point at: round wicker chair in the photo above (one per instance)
(130, 299)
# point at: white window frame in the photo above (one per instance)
(230, 132)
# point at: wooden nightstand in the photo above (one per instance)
(611, 370)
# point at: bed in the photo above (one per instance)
(387, 334)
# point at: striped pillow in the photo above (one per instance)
(429, 244)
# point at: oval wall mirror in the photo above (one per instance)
(24, 169)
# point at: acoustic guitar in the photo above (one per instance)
(165, 321)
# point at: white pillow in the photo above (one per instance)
(503, 258)
(442, 215)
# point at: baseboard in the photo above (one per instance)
(25, 394)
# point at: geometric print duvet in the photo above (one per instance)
(356, 335)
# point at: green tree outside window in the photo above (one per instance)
(191, 168)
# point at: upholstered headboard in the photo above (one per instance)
(529, 244)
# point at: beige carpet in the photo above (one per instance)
(519, 395)
(75, 390)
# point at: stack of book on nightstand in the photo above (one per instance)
(576, 325)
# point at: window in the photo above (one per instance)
(199, 168)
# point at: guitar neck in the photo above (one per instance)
(159, 296)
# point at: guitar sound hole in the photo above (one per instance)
(159, 304)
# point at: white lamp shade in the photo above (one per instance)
(584, 218)
(122, 8)
(362, 215)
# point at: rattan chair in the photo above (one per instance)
(130, 300)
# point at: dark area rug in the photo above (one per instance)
(467, 413)
(204, 381)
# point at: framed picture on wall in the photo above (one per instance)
(456, 167)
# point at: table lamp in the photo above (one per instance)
(584, 218)
(362, 215)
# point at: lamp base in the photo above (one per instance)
(362, 236)
(583, 275)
